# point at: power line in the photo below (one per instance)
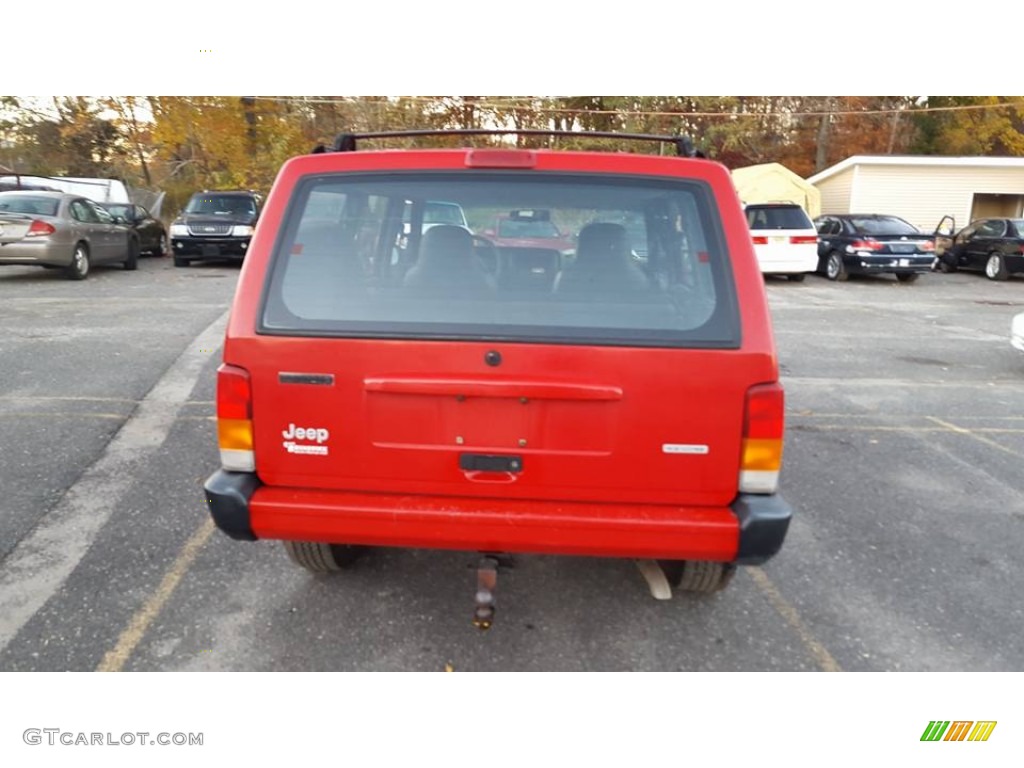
(531, 104)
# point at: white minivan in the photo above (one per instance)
(785, 240)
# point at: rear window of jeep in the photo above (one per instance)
(630, 260)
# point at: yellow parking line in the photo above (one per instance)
(116, 657)
(51, 414)
(861, 428)
(988, 418)
(92, 399)
(117, 416)
(788, 612)
(71, 398)
(974, 433)
(816, 415)
(880, 428)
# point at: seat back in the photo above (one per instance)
(603, 263)
(447, 261)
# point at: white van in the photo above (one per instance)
(97, 190)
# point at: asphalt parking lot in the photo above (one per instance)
(905, 436)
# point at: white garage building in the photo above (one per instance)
(923, 189)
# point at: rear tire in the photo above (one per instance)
(835, 269)
(907, 277)
(319, 557)
(995, 267)
(797, 277)
(698, 576)
(180, 262)
(132, 262)
(161, 247)
(78, 269)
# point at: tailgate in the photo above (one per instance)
(400, 362)
(604, 424)
(784, 245)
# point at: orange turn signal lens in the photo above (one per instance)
(234, 434)
(761, 454)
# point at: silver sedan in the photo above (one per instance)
(61, 231)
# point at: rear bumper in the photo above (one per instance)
(793, 259)
(892, 264)
(36, 253)
(749, 531)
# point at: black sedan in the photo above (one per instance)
(994, 246)
(872, 244)
(152, 234)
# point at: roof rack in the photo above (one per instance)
(346, 142)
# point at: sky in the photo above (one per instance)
(530, 47)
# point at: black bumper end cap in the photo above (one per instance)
(764, 521)
(227, 496)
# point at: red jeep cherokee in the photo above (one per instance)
(433, 390)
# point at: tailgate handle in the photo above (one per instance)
(469, 387)
(490, 462)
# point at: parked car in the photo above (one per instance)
(215, 225)
(784, 239)
(436, 213)
(872, 244)
(433, 214)
(992, 246)
(618, 410)
(151, 232)
(1017, 332)
(62, 231)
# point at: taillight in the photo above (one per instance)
(866, 245)
(40, 229)
(803, 239)
(234, 419)
(763, 426)
(927, 245)
(760, 241)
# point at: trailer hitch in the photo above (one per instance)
(486, 581)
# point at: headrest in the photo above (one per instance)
(447, 239)
(602, 239)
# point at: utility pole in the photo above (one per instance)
(824, 128)
(249, 105)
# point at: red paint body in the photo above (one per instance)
(589, 422)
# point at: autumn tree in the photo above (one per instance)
(971, 125)
(222, 142)
(64, 136)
